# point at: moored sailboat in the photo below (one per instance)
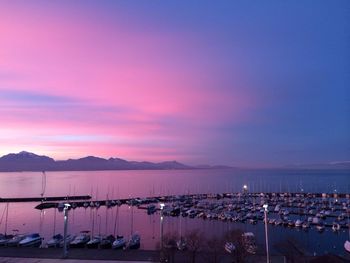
(135, 241)
(55, 241)
(181, 243)
(229, 247)
(32, 240)
(119, 242)
(80, 240)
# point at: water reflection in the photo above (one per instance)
(124, 220)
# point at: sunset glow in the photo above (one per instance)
(163, 82)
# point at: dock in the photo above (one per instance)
(44, 199)
(293, 199)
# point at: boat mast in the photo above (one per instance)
(99, 224)
(349, 222)
(43, 184)
(180, 228)
(107, 214)
(115, 220)
(54, 222)
(7, 214)
(132, 218)
(93, 224)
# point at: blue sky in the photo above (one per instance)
(252, 83)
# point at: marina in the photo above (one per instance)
(309, 209)
(130, 219)
(175, 131)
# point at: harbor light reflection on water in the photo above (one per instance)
(124, 184)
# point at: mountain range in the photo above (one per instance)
(27, 161)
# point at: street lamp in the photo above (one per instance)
(161, 225)
(65, 211)
(266, 234)
(245, 188)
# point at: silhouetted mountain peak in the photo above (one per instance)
(25, 156)
(26, 161)
(25, 153)
(112, 159)
(92, 159)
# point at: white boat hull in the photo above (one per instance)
(31, 243)
(347, 245)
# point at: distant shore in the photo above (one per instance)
(30, 162)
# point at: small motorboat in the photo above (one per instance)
(120, 242)
(60, 207)
(320, 227)
(316, 221)
(80, 240)
(181, 244)
(55, 241)
(278, 222)
(135, 241)
(249, 242)
(107, 242)
(298, 223)
(285, 212)
(277, 208)
(14, 241)
(253, 221)
(4, 239)
(94, 242)
(32, 240)
(347, 245)
(151, 209)
(291, 223)
(229, 247)
(272, 221)
(306, 225)
(69, 239)
(336, 227)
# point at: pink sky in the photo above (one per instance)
(74, 87)
(217, 83)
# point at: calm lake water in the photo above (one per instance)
(124, 184)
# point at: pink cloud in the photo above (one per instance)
(129, 86)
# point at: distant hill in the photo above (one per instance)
(206, 166)
(345, 165)
(26, 161)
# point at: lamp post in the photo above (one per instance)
(65, 212)
(161, 231)
(245, 188)
(161, 225)
(266, 234)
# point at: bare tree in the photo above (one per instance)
(169, 246)
(214, 246)
(195, 242)
(235, 236)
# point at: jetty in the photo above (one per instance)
(293, 199)
(44, 199)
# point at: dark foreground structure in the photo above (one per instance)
(154, 256)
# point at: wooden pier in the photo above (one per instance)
(44, 199)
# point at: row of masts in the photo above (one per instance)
(319, 197)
